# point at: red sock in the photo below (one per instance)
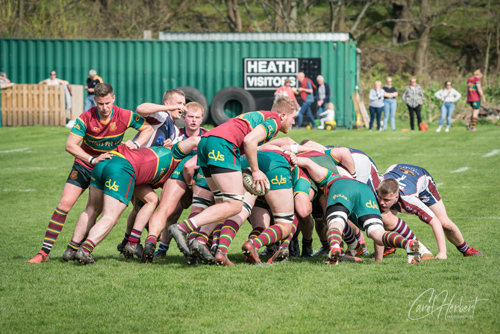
(227, 234)
(268, 236)
(394, 240)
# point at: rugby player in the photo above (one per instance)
(218, 155)
(112, 186)
(411, 189)
(99, 130)
(350, 199)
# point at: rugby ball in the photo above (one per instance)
(248, 181)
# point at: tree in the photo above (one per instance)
(403, 31)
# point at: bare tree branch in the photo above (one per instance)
(251, 16)
(231, 24)
(361, 15)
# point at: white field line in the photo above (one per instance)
(15, 150)
(460, 170)
(492, 153)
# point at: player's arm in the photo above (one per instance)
(189, 144)
(73, 148)
(250, 143)
(190, 168)
(316, 172)
(480, 91)
(437, 229)
(43, 82)
(147, 108)
(343, 155)
(145, 132)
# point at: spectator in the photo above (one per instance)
(449, 96)
(327, 116)
(474, 95)
(414, 97)
(390, 104)
(322, 94)
(92, 81)
(53, 80)
(4, 81)
(285, 90)
(376, 104)
(306, 88)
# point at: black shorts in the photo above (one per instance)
(79, 176)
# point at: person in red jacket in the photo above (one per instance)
(305, 90)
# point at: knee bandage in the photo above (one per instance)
(247, 207)
(373, 224)
(337, 216)
(231, 196)
(286, 218)
(217, 194)
(201, 202)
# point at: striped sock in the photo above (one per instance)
(334, 237)
(255, 233)
(307, 242)
(216, 234)
(74, 245)
(404, 230)
(395, 240)
(188, 225)
(295, 224)
(227, 234)
(348, 236)
(152, 239)
(473, 122)
(360, 238)
(202, 237)
(268, 236)
(88, 246)
(125, 239)
(55, 227)
(463, 247)
(135, 237)
(163, 246)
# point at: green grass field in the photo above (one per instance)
(300, 296)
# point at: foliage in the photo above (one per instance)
(300, 295)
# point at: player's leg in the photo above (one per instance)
(147, 195)
(281, 203)
(303, 210)
(78, 180)
(452, 231)
(112, 209)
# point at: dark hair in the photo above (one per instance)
(103, 89)
(53, 71)
(446, 83)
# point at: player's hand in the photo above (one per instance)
(168, 143)
(103, 157)
(259, 178)
(441, 256)
(320, 102)
(130, 144)
(293, 157)
(484, 99)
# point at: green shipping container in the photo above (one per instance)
(141, 71)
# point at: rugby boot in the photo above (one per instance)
(84, 258)
(180, 238)
(40, 257)
(294, 248)
(387, 251)
(200, 250)
(350, 258)
(213, 250)
(222, 259)
(470, 252)
(280, 255)
(334, 255)
(425, 254)
(270, 250)
(138, 251)
(160, 254)
(120, 247)
(412, 252)
(322, 251)
(148, 252)
(250, 252)
(191, 260)
(129, 250)
(307, 251)
(69, 254)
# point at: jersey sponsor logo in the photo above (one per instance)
(97, 129)
(372, 205)
(110, 186)
(219, 156)
(270, 128)
(112, 126)
(137, 118)
(406, 171)
(340, 195)
(282, 180)
(77, 126)
(200, 176)
(73, 175)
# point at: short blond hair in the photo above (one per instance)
(169, 93)
(330, 106)
(477, 72)
(388, 186)
(195, 106)
(284, 104)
